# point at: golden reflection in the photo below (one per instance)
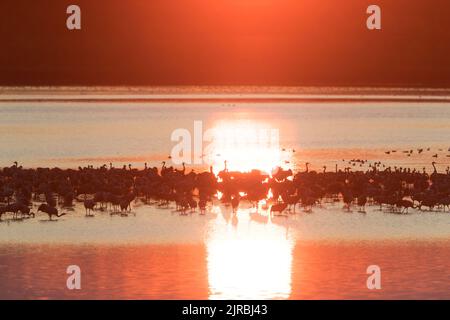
(244, 145)
(248, 257)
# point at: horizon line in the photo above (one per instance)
(224, 94)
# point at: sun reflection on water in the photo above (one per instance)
(248, 259)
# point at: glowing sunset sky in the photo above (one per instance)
(225, 42)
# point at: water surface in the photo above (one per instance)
(157, 254)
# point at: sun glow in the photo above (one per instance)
(248, 259)
(244, 145)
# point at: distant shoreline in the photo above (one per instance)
(240, 94)
(233, 100)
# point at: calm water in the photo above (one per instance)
(73, 134)
(159, 254)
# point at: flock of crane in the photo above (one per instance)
(54, 190)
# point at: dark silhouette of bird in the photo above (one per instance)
(89, 206)
(51, 211)
(235, 203)
(278, 208)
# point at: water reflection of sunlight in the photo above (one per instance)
(245, 145)
(248, 259)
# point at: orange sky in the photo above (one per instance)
(225, 42)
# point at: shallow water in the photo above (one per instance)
(150, 224)
(73, 134)
(157, 253)
(410, 270)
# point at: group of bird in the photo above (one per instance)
(419, 151)
(106, 188)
